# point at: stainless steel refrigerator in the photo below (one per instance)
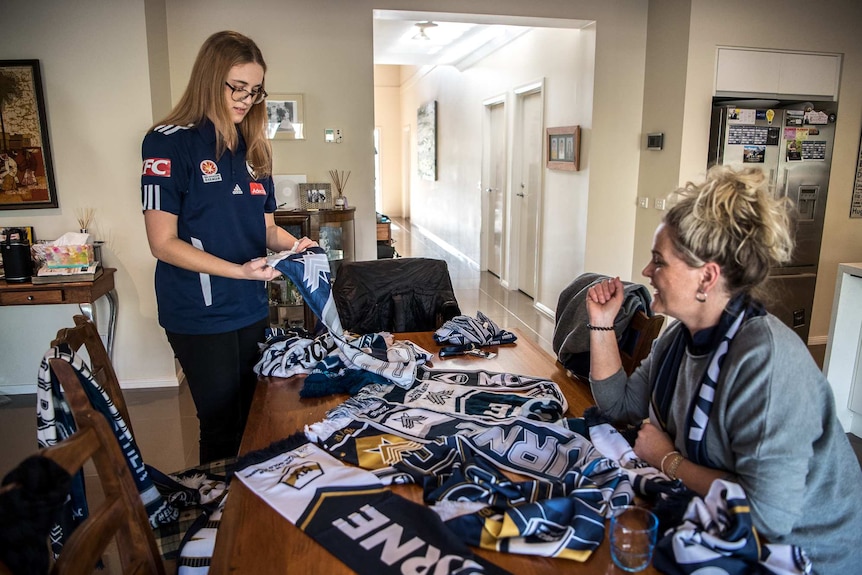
(792, 143)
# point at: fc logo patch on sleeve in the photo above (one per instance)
(157, 167)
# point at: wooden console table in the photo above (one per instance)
(82, 293)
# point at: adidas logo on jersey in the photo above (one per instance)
(237, 191)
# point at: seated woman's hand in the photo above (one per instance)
(604, 300)
(652, 444)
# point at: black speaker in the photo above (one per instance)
(17, 263)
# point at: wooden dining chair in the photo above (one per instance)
(641, 333)
(121, 516)
(85, 334)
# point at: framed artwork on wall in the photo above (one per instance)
(315, 196)
(564, 148)
(426, 141)
(26, 169)
(285, 117)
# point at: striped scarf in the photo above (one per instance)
(481, 330)
(717, 537)
(309, 271)
(349, 512)
(55, 423)
(715, 341)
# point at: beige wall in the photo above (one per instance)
(664, 94)
(94, 64)
(387, 120)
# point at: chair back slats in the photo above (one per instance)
(86, 335)
(646, 329)
(121, 515)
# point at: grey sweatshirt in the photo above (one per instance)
(773, 426)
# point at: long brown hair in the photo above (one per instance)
(204, 98)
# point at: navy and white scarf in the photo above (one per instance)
(309, 270)
(55, 422)
(481, 330)
(717, 536)
(349, 512)
(715, 341)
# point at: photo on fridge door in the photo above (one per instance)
(753, 154)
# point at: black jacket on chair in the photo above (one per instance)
(394, 295)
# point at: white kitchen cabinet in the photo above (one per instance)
(772, 73)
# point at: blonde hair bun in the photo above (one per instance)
(735, 220)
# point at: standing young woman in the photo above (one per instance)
(730, 391)
(208, 202)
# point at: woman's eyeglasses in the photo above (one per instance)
(241, 94)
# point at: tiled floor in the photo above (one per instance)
(164, 420)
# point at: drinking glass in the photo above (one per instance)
(633, 536)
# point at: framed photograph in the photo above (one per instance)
(315, 196)
(426, 141)
(564, 148)
(26, 169)
(285, 117)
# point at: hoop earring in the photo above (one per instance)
(700, 296)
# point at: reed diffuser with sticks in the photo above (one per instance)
(339, 180)
(85, 218)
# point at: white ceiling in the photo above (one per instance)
(458, 39)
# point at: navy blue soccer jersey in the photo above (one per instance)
(220, 209)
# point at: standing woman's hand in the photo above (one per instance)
(258, 269)
(604, 300)
(303, 243)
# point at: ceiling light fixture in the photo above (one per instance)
(423, 30)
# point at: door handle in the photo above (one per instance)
(520, 195)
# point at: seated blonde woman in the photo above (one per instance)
(730, 391)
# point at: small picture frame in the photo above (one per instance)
(315, 196)
(28, 234)
(564, 148)
(285, 117)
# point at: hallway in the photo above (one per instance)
(478, 291)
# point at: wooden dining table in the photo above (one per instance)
(254, 538)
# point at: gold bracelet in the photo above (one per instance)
(674, 465)
(666, 455)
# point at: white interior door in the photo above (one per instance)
(528, 191)
(495, 187)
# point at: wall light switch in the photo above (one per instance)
(329, 135)
(643, 202)
(659, 203)
(337, 135)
